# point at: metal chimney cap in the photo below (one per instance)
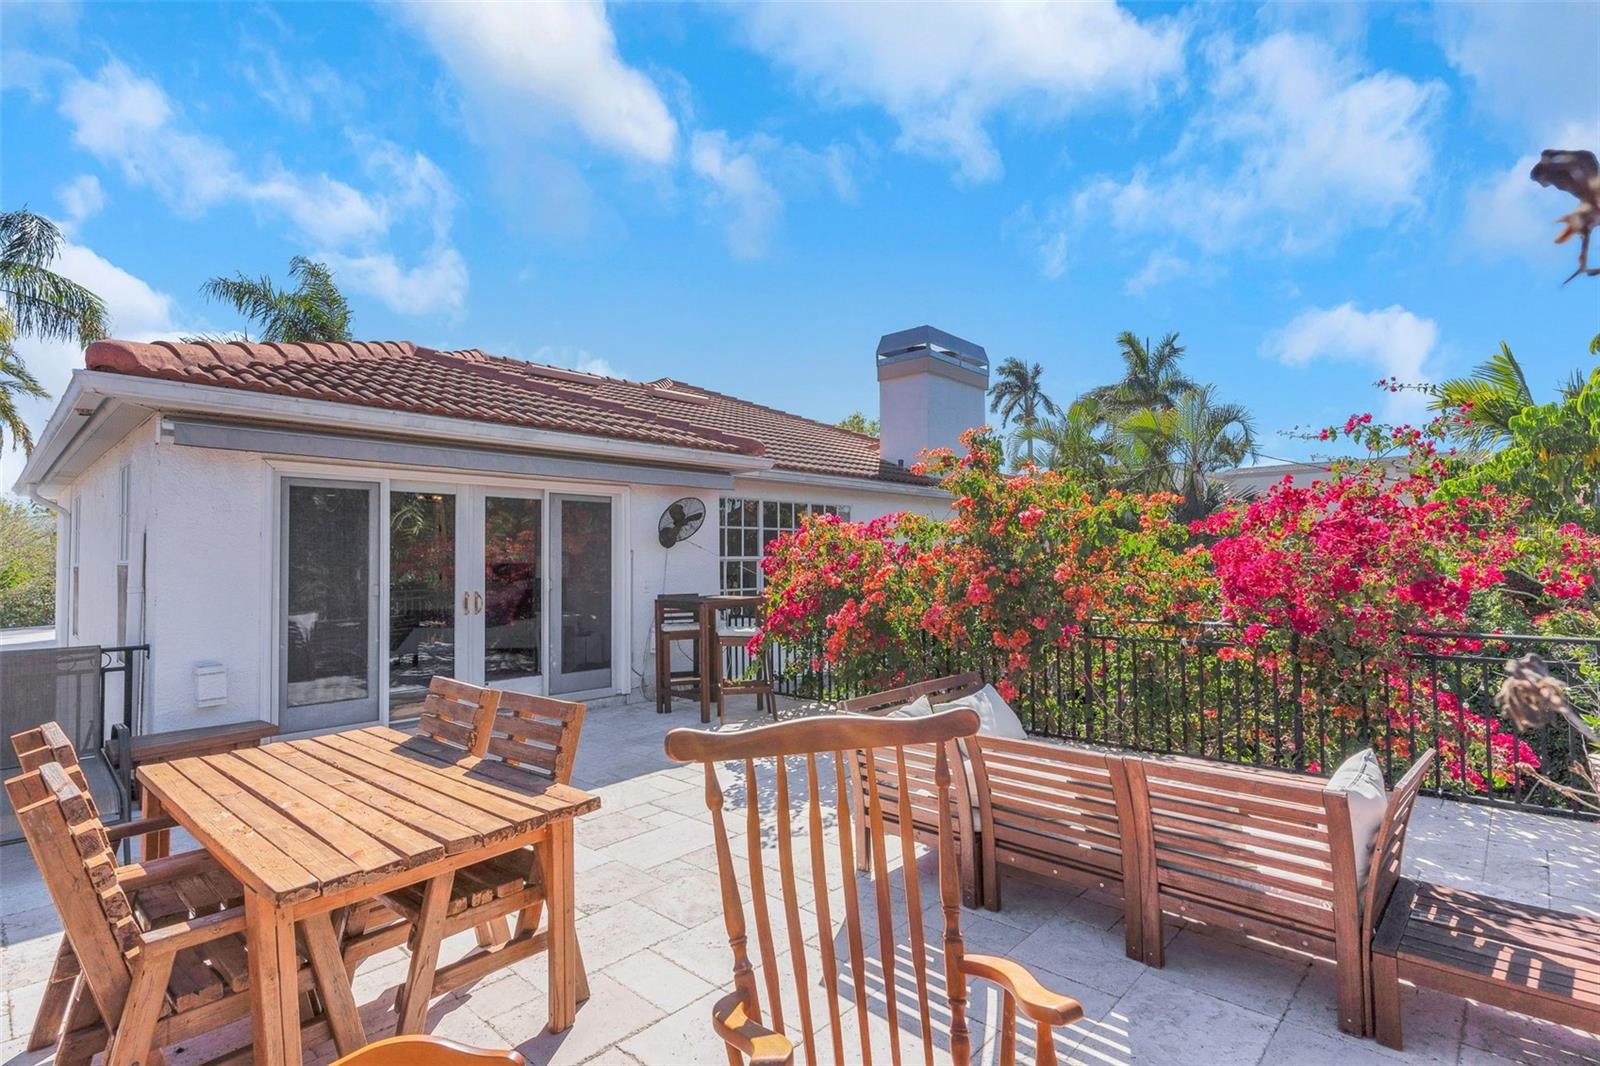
(927, 340)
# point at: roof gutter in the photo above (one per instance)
(182, 396)
(72, 415)
(855, 484)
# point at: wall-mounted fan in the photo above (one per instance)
(680, 521)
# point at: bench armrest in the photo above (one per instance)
(170, 939)
(1033, 999)
(754, 1041)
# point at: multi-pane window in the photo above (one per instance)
(746, 526)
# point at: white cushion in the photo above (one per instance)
(1361, 780)
(995, 716)
(917, 708)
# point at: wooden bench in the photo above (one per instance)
(1060, 811)
(919, 779)
(125, 752)
(1266, 854)
(1523, 958)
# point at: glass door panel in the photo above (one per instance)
(512, 599)
(422, 596)
(582, 553)
(329, 630)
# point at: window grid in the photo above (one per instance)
(745, 527)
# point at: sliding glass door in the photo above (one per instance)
(508, 609)
(581, 635)
(423, 598)
(328, 627)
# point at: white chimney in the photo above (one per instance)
(931, 389)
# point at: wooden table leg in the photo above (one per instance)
(412, 1001)
(558, 886)
(333, 983)
(274, 1006)
(157, 845)
(702, 648)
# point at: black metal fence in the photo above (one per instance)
(1198, 689)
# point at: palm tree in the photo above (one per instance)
(1018, 396)
(15, 381)
(1195, 437)
(1150, 378)
(1078, 442)
(40, 303)
(315, 310)
(1496, 390)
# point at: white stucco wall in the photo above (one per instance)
(206, 517)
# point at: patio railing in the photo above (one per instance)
(1197, 689)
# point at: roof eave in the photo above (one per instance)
(178, 396)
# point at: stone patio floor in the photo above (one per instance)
(653, 938)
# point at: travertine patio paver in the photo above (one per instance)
(652, 932)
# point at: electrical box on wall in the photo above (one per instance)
(210, 684)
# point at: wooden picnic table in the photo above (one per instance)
(311, 826)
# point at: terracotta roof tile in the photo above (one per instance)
(471, 384)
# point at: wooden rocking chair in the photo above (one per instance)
(160, 950)
(757, 1031)
(533, 733)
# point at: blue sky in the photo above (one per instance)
(747, 197)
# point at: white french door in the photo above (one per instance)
(514, 588)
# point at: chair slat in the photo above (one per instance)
(758, 898)
(880, 884)
(913, 887)
(791, 912)
(732, 905)
(852, 905)
(819, 890)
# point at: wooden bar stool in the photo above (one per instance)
(682, 618)
(736, 620)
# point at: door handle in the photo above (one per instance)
(477, 603)
(466, 603)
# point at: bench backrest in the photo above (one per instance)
(938, 690)
(456, 713)
(537, 732)
(50, 743)
(79, 869)
(1255, 844)
(1388, 851)
(1057, 808)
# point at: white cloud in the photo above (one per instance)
(1531, 65)
(128, 121)
(1161, 267)
(1294, 146)
(737, 185)
(1392, 340)
(81, 198)
(943, 71)
(137, 312)
(524, 65)
(438, 283)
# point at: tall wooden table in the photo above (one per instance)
(310, 826)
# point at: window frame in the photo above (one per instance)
(760, 521)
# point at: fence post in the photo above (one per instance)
(1294, 705)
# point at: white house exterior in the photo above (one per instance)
(302, 533)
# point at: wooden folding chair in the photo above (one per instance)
(160, 946)
(757, 1021)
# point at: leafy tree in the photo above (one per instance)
(856, 422)
(40, 303)
(1018, 396)
(1151, 376)
(1196, 437)
(314, 310)
(27, 565)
